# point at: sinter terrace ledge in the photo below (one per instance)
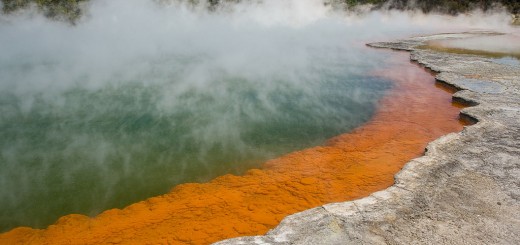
(465, 190)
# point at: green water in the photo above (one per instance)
(135, 99)
(86, 150)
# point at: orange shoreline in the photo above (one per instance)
(353, 165)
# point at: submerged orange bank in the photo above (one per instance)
(414, 112)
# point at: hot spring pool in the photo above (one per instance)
(137, 98)
(89, 122)
(86, 150)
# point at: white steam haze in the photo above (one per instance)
(139, 96)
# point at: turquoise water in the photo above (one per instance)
(86, 150)
(136, 99)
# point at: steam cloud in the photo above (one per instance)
(138, 97)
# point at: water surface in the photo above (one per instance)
(87, 125)
(504, 47)
(135, 99)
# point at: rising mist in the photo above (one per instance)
(135, 98)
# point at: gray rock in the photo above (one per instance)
(464, 190)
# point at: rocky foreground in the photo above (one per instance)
(465, 190)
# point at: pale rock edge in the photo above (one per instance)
(464, 190)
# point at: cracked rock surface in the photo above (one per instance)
(464, 190)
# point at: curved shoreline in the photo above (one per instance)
(352, 165)
(464, 190)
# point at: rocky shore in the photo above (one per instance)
(348, 167)
(464, 190)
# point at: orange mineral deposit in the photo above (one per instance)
(411, 114)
